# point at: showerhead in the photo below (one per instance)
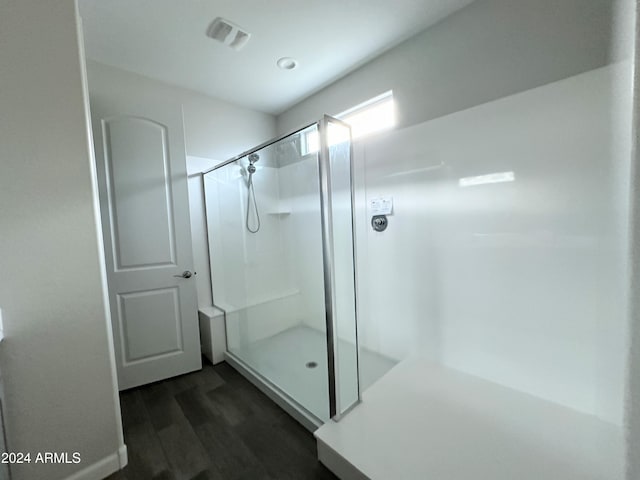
(253, 158)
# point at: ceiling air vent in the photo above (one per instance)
(228, 33)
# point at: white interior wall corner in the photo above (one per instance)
(214, 129)
(469, 58)
(56, 356)
(632, 406)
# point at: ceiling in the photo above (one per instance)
(165, 40)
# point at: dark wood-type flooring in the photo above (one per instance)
(213, 425)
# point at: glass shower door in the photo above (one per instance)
(265, 234)
(339, 257)
(281, 245)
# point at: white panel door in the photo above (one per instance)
(140, 156)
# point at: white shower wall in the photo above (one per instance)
(252, 278)
(299, 183)
(302, 228)
(520, 282)
(273, 280)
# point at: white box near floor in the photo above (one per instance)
(212, 333)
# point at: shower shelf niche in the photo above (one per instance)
(280, 208)
(280, 212)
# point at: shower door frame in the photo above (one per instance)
(326, 197)
(294, 408)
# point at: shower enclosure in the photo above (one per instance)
(281, 245)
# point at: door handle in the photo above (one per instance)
(185, 274)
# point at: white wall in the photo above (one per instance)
(430, 281)
(485, 51)
(255, 274)
(57, 356)
(522, 282)
(302, 228)
(214, 130)
(633, 367)
(199, 236)
(250, 268)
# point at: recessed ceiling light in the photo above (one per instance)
(287, 63)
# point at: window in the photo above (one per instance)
(372, 116)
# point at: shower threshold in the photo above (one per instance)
(291, 368)
(271, 390)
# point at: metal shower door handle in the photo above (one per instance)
(185, 274)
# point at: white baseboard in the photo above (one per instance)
(103, 468)
(123, 456)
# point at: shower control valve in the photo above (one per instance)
(379, 223)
